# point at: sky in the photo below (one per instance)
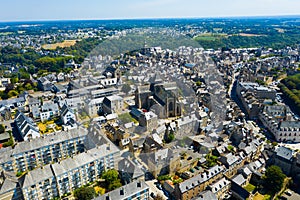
(31, 10)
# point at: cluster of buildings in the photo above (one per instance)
(252, 96)
(278, 120)
(57, 164)
(178, 121)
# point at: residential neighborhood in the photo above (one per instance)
(150, 123)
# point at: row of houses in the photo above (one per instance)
(252, 95)
(276, 119)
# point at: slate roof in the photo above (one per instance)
(239, 179)
(79, 160)
(10, 183)
(49, 106)
(25, 124)
(38, 175)
(199, 179)
(219, 185)
(126, 165)
(12, 101)
(284, 153)
(206, 195)
(65, 109)
(48, 140)
(125, 191)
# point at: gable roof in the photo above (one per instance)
(127, 166)
(65, 109)
(239, 179)
(284, 152)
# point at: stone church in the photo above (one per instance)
(161, 98)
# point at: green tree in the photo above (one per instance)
(110, 175)
(2, 128)
(28, 86)
(45, 62)
(112, 179)
(12, 93)
(170, 137)
(14, 80)
(198, 83)
(114, 185)
(84, 193)
(273, 179)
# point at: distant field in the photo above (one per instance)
(6, 33)
(280, 30)
(210, 36)
(250, 35)
(66, 43)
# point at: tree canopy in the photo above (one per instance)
(273, 179)
(2, 128)
(84, 193)
(290, 87)
(112, 179)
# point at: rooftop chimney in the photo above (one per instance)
(139, 184)
(122, 191)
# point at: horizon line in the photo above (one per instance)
(153, 18)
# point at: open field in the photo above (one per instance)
(66, 43)
(249, 35)
(210, 36)
(280, 30)
(5, 33)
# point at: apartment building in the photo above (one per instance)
(84, 168)
(64, 177)
(28, 155)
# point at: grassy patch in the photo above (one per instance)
(126, 118)
(209, 37)
(250, 187)
(259, 196)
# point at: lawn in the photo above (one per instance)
(250, 187)
(259, 196)
(209, 36)
(126, 118)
